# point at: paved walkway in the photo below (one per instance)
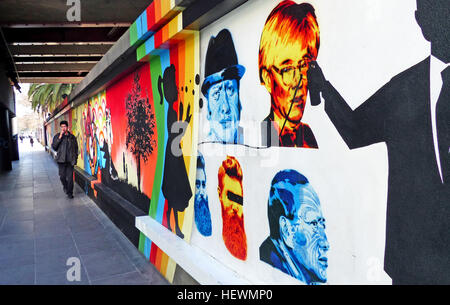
(40, 229)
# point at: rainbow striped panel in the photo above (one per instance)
(162, 39)
(156, 15)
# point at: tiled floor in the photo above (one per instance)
(40, 229)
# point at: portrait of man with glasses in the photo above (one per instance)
(289, 41)
(297, 244)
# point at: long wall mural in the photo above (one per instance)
(239, 140)
(283, 195)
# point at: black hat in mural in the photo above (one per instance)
(221, 61)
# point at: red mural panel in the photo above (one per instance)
(121, 153)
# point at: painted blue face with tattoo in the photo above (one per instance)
(305, 235)
(297, 244)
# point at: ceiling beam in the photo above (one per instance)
(50, 80)
(94, 49)
(72, 67)
(93, 35)
(51, 74)
(55, 59)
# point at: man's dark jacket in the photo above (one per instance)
(418, 205)
(66, 148)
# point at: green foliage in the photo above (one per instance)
(46, 97)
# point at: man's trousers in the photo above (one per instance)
(66, 176)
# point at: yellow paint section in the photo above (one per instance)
(176, 25)
(165, 7)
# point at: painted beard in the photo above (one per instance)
(202, 215)
(233, 233)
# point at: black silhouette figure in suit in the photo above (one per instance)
(176, 187)
(400, 114)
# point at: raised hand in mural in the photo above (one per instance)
(188, 113)
(316, 82)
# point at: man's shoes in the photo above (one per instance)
(70, 196)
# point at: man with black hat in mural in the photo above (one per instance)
(221, 89)
(66, 147)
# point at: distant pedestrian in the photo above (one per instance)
(66, 146)
(31, 141)
(21, 139)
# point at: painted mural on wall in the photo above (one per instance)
(259, 116)
(139, 139)
(288, 43)
(139, 136)
(117, 131)
(91, 125)
(133, 128)
(279, 125)
(175, 89)
(77, 130)
(395, 114)
(273, 233)
(332, 103)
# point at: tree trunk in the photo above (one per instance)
(139, 171)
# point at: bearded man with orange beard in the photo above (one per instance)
(231, 199)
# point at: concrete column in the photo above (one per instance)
(5, 142)
(14, 139)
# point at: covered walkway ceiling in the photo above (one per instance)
(47, 48)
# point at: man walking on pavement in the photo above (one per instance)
(66, 146)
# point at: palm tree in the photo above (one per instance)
(46, 97)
